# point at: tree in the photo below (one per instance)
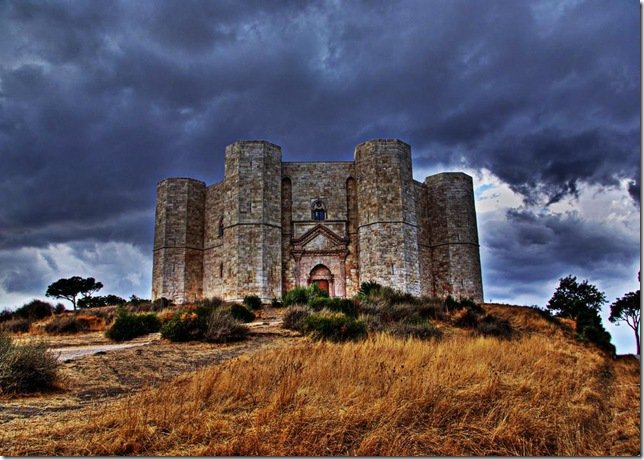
(100, 301)
(36, 309)
(69, 288)
(572, 298)
(627, 309)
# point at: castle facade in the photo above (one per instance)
(270, 226)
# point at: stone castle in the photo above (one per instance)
(270, 226)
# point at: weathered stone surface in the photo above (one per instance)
(270, 226)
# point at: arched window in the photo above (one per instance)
(220, 228)
(318, 210)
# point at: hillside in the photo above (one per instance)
(541, 393)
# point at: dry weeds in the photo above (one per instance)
(543, 394)
(380, 397)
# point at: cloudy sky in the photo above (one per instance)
(538, 100)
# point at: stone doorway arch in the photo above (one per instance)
(323, 277)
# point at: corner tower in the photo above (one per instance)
(252, 220)
(177, 266)
(454, 242)
(387, 224)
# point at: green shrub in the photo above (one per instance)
(36, 309)
(5, 315)
(161, 303)
(241, 313)
(294, 317)
(67, 325)
(367, 288)
(184, 327)
(276, 303)
(221, 327)
(421, 330)
(100, 301)
(337, 304)
(127, 326)
(253, 302)
(336, 327)
(59, 308)
(491, 326)
(373, 322)
(296, 296)
(469, 319)
(26, 368)
(16, 325)
(210, 303)
(302, 295)
(205, 307)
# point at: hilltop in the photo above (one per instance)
(543, 392)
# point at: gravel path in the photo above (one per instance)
(69, 353)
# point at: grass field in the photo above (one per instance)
(543, 393)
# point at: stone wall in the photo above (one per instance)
(253, 233)
(252, 216)
(424, 248)
(456, 266)
(387, 225)
(178, 240)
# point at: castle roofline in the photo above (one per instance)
(255, 141)
(384, 141)
(181, 178)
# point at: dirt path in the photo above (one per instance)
(69, 353)
(97, 373)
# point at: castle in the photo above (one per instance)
(270, 226)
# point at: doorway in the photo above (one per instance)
(322, 277)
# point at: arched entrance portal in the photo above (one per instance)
(322, 276)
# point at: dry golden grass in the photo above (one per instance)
(539, 395)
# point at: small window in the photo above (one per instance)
(221, 270)
(318, 210)
(220, 228)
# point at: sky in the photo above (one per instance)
(539, 101)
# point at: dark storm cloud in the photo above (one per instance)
(528, 249)
(100, 100)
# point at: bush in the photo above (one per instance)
(373, 322)
(161, 303)
(452, 304)
(296, 296)
(589, 327)
(253, 302)
(302, 295)
(16, 325)
(67, 325)
(241, 313)
(36, 309)
(210, 303)
(222, 327)
(59, 308)
(367, 288)
(337, 304)
(467, 319)
(294, 317)
(276, 303)
(127, 326)
(26, 368)
(336, 327)
(423, 330)
(5, 315)
(100, 301)
(491, 326)
(184, 327)
(137, 301)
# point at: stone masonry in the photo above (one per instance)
(270, 226)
